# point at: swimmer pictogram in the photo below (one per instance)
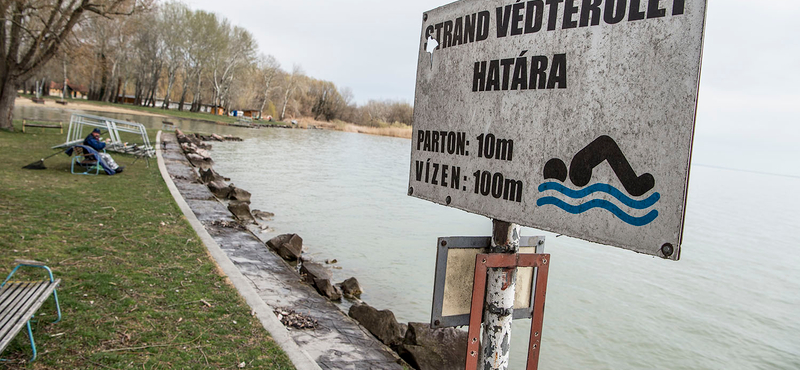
(602, 149)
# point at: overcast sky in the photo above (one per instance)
(749, 105)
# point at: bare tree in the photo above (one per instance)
(149, 51)
(98, 32)
(381, 113)
(291, 84)
(267, 67)
(172, 22)
(201, 28)
(235, 50)
(103, 44)
(195, 53)
(31, 32)
(327, 101)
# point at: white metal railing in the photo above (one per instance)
(79, 123)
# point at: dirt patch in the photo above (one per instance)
(76, 105)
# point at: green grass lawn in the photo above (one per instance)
(139, 290)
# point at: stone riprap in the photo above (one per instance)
(337, 342)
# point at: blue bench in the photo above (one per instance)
(81, 158)
(19, 301)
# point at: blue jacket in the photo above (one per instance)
(94, 143)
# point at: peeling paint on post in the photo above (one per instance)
(499, 306)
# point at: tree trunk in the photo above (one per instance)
(116, 95)
(196, 104)
(137, 96)
(170, 82)
(285, 102)
(103, 78)
(183, 98)
(152, 98)
(45, 86)
(124, 88)
(8, 93)
(185, 91)
(266, 94)
(65, 86)
(185, 81)
(91, 84)
(154, 83)
(110, 84)
(263, 105)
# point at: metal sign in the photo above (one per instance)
(455, 269)
(575, 117)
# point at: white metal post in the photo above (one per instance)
(499, 306)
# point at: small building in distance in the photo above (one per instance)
(126, 99)
(251, 113)
(74, 91)
(216, 110)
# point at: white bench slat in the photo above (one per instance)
(22, 293)
(10, 313)
(8, 291)
(27, 306)
(28, 298)
(16, 292)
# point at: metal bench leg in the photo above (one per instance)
(58, 306)
(33, 344)
(55, 294)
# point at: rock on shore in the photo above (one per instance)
(288, 246)
(242, 212)
(382, 324)
(351, 288)
(209, 175)
(434, 349)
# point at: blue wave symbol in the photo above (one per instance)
(600, 203)
(602, 188)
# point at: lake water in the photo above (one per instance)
(732, 302)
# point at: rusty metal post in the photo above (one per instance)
(499, 306)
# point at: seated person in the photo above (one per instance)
(93, 140)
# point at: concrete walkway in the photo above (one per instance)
(267, 282)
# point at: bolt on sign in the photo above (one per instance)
(570, 116)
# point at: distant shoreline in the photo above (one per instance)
(391, 131)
